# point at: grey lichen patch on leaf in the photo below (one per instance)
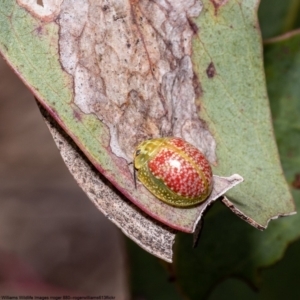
(132, 68)
(47, 12)
(146, 232)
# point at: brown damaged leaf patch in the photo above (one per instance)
(132, 68)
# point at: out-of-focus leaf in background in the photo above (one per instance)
(149, 277)
(277, 16)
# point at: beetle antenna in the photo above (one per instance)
(134, 173)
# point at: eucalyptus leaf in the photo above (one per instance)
(111, 82)
(234, 105)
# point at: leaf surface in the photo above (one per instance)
(234, 104)
(111, 81)
(113, 74)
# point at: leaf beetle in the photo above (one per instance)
(174, 171)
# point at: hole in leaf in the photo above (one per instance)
(40, 2)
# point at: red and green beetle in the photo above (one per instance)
(174, 171)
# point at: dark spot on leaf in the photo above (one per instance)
(40, 2)
(211, 71)
(77, 115)
(296, 182)
(39, 30)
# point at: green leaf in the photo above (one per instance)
(234, 104)
(228, 247)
